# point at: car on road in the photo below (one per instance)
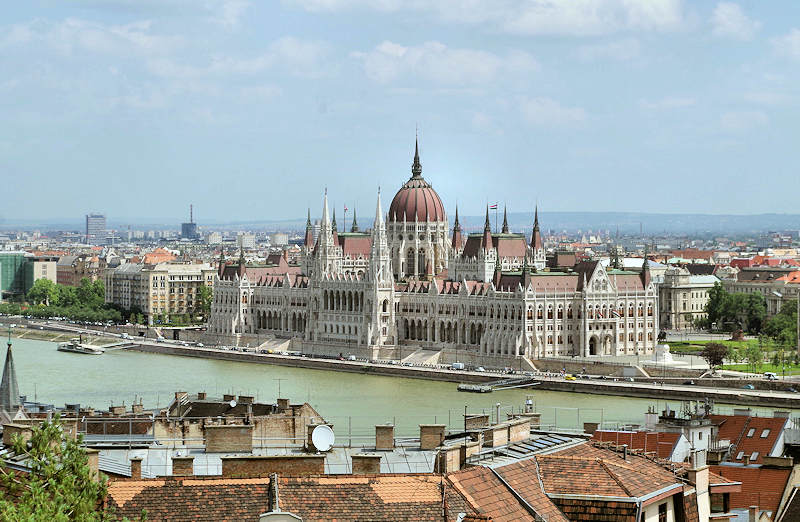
(748, 387)
(688, 383)
(570, 377)
(480, 369)
(770, 376)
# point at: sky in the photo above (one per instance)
(250, 109)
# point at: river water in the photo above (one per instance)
(353, 402)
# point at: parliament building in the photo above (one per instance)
(411, 283)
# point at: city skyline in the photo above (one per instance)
(672, 108)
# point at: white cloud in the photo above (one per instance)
(299, 57)
(230, 12)
(622, 50)
(563, 17)
(728, 20)
(770, 98)
(741, 121)
(546, 112)
(74, 35)
(435, 62)
(669, 102)
(788, 44)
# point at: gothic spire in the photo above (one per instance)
(354, 227)
(646, 277)
(333, 223)
(536, 235)
(457, 241)
(309, 239)
(487, 232)
(416, 167)
(505, 220)
(9, 389)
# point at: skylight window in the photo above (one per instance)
(754, 456)
(740, 455)
(751, 432)
(765, 433)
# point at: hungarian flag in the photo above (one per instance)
(616, 313)
(493, 207)
(345, 208)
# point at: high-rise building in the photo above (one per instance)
(95, 227)
(189, 230)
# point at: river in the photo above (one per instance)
(352, 402)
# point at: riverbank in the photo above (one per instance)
(57, 336)
(647, 390)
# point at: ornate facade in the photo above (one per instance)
(410, 282)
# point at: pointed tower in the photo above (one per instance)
(308, 241)
(646, 276)
(458, 242)
(537, 246)
(379, 260)
(354, 226)
(536, 236)
(505, 220)
(9, 389)
(487, 232)
(327, 256)
(416, 167)
(221, 266)
(334, 230)
(380, 325)
(242, 263)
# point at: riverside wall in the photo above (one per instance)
(647, 390)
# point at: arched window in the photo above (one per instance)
(539, 312)
(569, 312)
(410, 262)
(385, 305)
(560, 314)
(550, 312)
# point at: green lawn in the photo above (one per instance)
(765, 367)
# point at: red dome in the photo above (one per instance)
(416, 200)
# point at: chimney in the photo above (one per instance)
(182, 466)
(746, 460)
(93, 461)
(136, 468)
(624, 452)
(283, 404)
(201, 396)
(384, 437)
(228, 397)
(181, 394)
(246, 399)
(752, 514)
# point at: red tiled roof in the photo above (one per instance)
(649, 441)
(356, 245)
(760, 486)
(735, 428)
(330, 497)
(489, 496)
(510, 245)
(523, 477)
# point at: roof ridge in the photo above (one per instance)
(614, 476)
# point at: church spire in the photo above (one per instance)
(487, 232)
(309, 239)
(416, 167)
(536, 236)
(354, 227)
(646, 278)
(457, 239)
(9, 389)
(505, 220)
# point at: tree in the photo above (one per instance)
(43, 292)
(737, 310)
(714, 354)
(782, 327)
(203, 298)
(754, 356)
(60, 485)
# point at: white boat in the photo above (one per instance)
(76, 346)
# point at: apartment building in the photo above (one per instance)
(157, 289)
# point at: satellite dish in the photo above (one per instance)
(232, 403)
(322, 437)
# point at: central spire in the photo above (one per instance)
(416, 167)
(505, 220)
